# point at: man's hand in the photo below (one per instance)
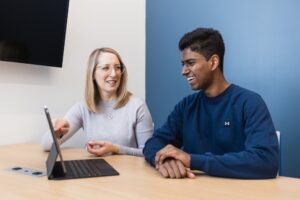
(100, 148)
(172, 168)
(61, 127)
(170, 151)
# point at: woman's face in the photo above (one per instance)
(108, 75)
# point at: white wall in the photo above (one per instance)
(24, 89)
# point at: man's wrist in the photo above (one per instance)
(116, 148)
(188, 162)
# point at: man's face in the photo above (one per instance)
(196, 69)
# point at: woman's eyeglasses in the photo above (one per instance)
(118, 69)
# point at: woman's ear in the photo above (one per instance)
(214, 62)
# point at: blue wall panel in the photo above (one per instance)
(262, 40)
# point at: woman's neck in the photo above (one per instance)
(108, 96)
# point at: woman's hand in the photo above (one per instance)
(100, 148)
(61, 127)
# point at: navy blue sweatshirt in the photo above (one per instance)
(230, 135)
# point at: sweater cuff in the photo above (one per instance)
(198, 162)
(130, 151)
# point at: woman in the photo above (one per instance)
(113, 120)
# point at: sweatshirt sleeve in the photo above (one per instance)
(169, 133)
(259, 160)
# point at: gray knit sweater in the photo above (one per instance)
(129, 126)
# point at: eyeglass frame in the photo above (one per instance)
(119, 69)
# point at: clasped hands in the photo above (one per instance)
(172, 162)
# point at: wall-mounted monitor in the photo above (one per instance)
(33, 31)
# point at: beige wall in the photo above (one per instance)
(24, 89)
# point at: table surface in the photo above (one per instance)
(137, 180)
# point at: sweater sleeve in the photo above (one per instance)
(143, 130)
(74, 118)
(169, 133)
(259, 159)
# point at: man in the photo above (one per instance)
(223, 130)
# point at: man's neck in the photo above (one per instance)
(219, 86)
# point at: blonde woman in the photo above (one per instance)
(114, 120)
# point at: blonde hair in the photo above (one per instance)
(92, 95)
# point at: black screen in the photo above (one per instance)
(33, 31)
